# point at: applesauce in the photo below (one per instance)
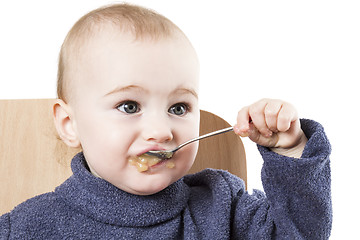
(144, 161)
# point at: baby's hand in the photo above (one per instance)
(274, 124)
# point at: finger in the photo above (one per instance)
(242, 126)
(258, 138)
(286, 116)
(271, 111)
(254, 133)
(256, 112)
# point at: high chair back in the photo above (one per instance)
(33, 160)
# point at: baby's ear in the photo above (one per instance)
(65, 124)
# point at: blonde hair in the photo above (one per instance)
(141, 22)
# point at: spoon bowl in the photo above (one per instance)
(163, 155)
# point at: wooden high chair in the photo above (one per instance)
(33, 160)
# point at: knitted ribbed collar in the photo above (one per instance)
(104, 202)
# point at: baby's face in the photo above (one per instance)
(134, 96)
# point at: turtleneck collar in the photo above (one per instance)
(104, 202)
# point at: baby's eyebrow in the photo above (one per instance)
(185, 91)
(177, 91)
(126, 89)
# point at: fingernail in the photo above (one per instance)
(240, 132)
(236, 129)
(269, 134)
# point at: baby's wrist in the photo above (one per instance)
(295, 151)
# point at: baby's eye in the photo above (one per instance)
(179, 109)
(129, 107)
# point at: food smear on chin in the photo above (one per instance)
(143, 162)
(170, 164)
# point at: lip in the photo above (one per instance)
(152, 148)
(157, 165)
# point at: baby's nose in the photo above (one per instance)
(157, 130)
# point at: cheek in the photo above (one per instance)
(190, 129)
(105, 138)
(186, 132)
(106, 149)
(191, 153)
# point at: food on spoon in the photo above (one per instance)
(144, 161)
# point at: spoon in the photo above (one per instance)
(166, 154)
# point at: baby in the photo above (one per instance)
(128, 83)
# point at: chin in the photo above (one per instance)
(147, 191)
(150, 187)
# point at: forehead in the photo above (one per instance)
(111, 57)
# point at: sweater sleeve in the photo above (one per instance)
(5, 226)
(297, 204)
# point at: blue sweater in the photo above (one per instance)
(212, 204)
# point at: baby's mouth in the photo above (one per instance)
(143, 162)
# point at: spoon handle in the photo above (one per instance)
(205, 136)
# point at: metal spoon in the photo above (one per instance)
(168, 154)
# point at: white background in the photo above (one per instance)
(305, 52)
